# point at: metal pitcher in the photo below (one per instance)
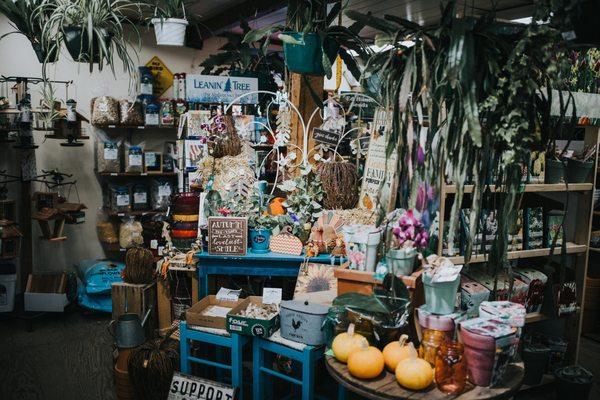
(129, 331)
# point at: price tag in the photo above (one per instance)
(271, 295)
(110, 153)
(228, 294)
(154, 244)
(122, 200)
(150, 160)
(164, 191)
(135, 160)
(140, 198)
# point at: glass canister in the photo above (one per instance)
(432, 339)
(450, 368)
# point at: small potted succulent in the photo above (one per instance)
(407, 238)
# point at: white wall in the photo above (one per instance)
(17, 58)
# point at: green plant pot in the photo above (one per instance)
(579, 171)
(307, 58)
(77, 42)
(401, 261)
(440, 296)
(42, 54)
(555, 171)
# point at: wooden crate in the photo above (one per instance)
(137, 299)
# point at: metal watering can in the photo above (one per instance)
(129, 331)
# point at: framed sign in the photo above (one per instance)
(227, 235)
(220, 89)
(187, 387)
(380, 179)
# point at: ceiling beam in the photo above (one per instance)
(248, 9)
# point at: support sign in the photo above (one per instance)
(187, 387)
(220, 89)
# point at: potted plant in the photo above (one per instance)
(574, 381)
(407, 237)
(310, 44)
(440, 284)
(580, 165)
(261, 226)
(93, 30)
(170, 22)
(23, 19)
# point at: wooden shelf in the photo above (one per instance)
(535, 317)
(136, 127)
(531, 188)
(547, 379)
(112, 213)
(595, 249)
(137, 174)
(572, 248)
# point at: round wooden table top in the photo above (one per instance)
(386, 387)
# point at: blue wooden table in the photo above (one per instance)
(252, 264)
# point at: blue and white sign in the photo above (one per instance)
(220, 89)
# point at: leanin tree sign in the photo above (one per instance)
(380, 179)
(186, 387)
(227, 235)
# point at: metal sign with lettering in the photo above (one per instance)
(163, 77)
(220, 89)
(187, 387)
(227, 235)
(327, 137)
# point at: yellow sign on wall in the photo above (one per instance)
(163, 77)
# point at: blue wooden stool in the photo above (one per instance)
(215, 337)
(305, 355)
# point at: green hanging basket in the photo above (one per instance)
(307, 57)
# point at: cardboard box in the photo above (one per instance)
(46, 293)
(536, 280)
(471, 295)
(520, 288)
(195, 316)
(251, 326)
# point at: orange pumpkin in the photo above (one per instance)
(366, 363)
(396, 351)
(276, 206)
(414, 373)
(347, 342)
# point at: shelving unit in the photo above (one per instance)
(137, 174)
(581, 209)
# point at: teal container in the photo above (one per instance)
(579, 171)
(555, 171)
(440, 297)
(259, 240)
(307, 57)
(401, 261)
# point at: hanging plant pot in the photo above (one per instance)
(77, 42)
(307, 57)
(170, 31)
(555, 171)
(49, 55)
(578, 171)
(259, 240)
(401, 261)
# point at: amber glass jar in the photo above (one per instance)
(432, 339)
(450, 368)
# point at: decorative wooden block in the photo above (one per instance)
(136, 299)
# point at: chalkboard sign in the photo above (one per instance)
(186, 387)
(227, 235)
(326, 137)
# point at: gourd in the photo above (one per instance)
(366, 363)
(414, 373)
(396, 351)
(347, 342)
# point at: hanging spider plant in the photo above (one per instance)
(472, 92)
(21, 15)
(94, 31)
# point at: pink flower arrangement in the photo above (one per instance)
(410, 232)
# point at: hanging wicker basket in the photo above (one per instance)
(340, 183)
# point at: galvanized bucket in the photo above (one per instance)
(129, 331)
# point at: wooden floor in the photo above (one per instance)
(69, 357)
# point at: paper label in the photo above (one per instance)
(103, 107)
(110, 153)
(122, 200)
(154, 244)
(216, 311)
(152, 119)
(228, 294)
(272, 295)
(140, 198)
(164, 191)
(150, 159)
(135, 160)
(146, 88)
